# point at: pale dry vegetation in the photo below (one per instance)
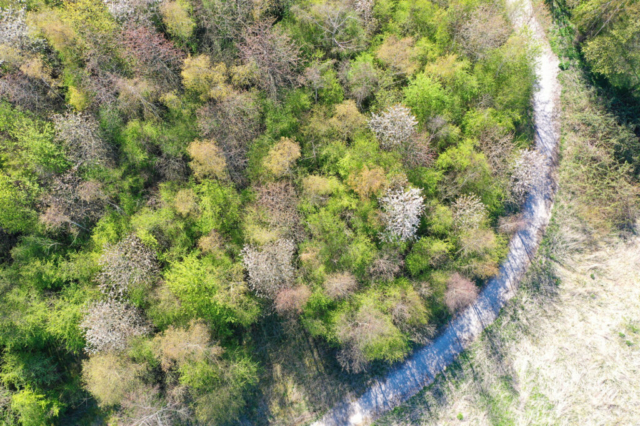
(109, 325)
(269, 268)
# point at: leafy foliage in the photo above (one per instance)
(172, 172)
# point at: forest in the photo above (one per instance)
(175, 174)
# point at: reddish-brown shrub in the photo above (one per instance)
(461, 292)
(155, 56)
(291, 301)
(367, 182)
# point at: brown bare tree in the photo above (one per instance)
(72, 203)
(340, 285)
(461, 292)
(386, 266)
(362, 80)
(126, 265)
(340, 26)
(357, 332)
(233, 124)
(484, 29)
(280, 201)
(290, 301)
(155, 57)
(145, 406)
(274, 53)
(80, 133)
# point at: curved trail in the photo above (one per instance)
(420, 369)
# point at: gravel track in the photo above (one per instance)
(419, 370)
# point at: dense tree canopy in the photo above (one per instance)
(171, 171)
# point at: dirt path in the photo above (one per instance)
(418, 371)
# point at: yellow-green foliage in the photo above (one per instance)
(186, 202)
(33, 408)
(347, 120)
(110, 376)
(16, 216)
(58, 33)
(208, 159)
(213, 132)
(77, 98)
(199, 77)
(610, 31)
(88, 17)
(74, 24)
(282, 157)
(213, 290)
(368, 182)
(175, 15)
(319, 186)
(398, 54)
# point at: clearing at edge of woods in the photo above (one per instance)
(568, 355)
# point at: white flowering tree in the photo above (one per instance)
(468, 212)
(13, 28)
(393, 127)
(108, 325)
(270, 268)
(402, 209)
(127, 10)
